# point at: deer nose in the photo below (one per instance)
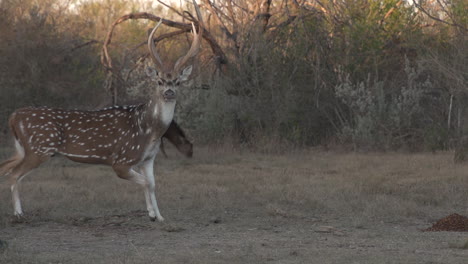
(169, 94)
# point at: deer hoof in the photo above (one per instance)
(19, 215)
(18, 218)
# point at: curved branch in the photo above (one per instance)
(159, 38)
(107, 61)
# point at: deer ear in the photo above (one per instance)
(151, 72)
(185, 73)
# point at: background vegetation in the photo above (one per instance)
(365, 74)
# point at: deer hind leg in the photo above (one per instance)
(10, 167)
(127, 173)
(24, 167)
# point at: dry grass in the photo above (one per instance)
(351, 190)
(365, 187)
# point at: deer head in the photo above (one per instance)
(169, 79)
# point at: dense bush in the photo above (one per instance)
(39, 64)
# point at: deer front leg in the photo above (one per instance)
(148, 171)
(127, 173)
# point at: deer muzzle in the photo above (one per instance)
(169, 95)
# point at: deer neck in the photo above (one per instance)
(159, 114)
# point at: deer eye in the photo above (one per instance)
(160, 82)
(177, 82)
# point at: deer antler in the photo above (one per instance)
(152, 48)
(195, 48)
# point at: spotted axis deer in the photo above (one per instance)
(127, 138)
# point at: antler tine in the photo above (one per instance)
(201, 25)
(195, 48)
(191, 53)
(152, 48)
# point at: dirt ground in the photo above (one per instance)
(225, 206)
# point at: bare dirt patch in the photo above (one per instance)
(241, 207)
(453, 222)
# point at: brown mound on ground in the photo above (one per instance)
(453, 222)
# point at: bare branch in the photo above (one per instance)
(216, 14)
(422, 9)
(159, 38)
(262, 12)
(91, 42)
(171, 8)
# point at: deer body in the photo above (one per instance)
(124, 137)
(110, 136)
